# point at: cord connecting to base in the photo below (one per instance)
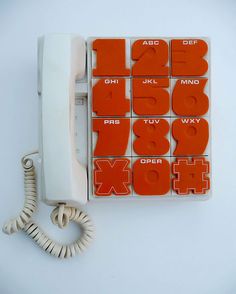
(60, 216)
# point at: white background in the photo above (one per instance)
(141, 246)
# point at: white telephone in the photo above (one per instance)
(119, 118)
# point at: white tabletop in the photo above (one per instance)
(141, 246)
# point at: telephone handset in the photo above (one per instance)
(61, 61)
(135, 125)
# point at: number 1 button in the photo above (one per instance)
(110, 57)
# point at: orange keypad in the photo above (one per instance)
(149, 108)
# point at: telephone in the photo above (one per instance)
(120, 118)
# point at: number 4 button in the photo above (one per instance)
(109, 97)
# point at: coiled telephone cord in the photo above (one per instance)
(60, 216)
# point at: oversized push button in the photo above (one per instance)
(151, 176)
(151, 136)
(109, 97)
(112, 136)
(191, 176)
(187, 57)
(151, 58)
(110, 57)
(191, 136)
(150, 96)
(188, 97)
(112, 177)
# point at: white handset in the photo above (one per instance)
(62, 60)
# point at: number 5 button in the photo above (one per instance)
(151, 96)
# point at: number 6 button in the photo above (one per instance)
(188, 97)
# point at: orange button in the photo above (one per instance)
(187, 57)
(150, 96)
(191, 136)
(151, 58)
(109, 97)
(112, 177)
(112, 136)
(190, 176)
(151, 136)
(151, 176)
(188, 97)
(110, 57)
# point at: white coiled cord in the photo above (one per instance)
(60, 216)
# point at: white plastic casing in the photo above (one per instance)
(61, 60)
